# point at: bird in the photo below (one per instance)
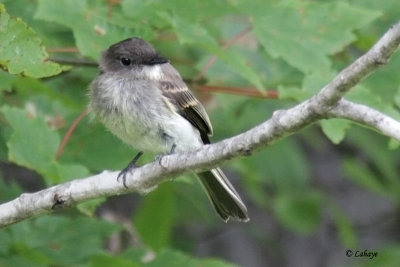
(142, 99)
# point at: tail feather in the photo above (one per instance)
(223, 196)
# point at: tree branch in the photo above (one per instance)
(377, 56)
(327, 103)
(366, 116)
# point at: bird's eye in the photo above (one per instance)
(125, 61)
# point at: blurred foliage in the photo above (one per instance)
(294, 47)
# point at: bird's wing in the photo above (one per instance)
(187, 105)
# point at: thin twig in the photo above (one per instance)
(75, 62)
(69, 132)
(242, 91)
(62, 50)
(110, 7)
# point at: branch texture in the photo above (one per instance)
(327, 103)
(366, 116)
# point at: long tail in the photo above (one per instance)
(223, 196)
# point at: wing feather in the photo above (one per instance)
(186, 103)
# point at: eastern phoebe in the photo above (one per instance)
(143, 100)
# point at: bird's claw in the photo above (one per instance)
(122, 175)
(132, 165)
(160, 157)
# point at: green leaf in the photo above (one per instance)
(5, 82)
(3, 146)
(21, 51)
(8, 190)
(204, 11)
(293, 93)
(282, 165)
(104, 260)
(388, 255)
(386, 79)
(195, 34)
(309, 32)
(389, 9)
(171, 257)
(314, 82)
(88, 20)
(366, 96)
(192, 33)
(89, 207)
(364, 177)
(379, 170)
(36, 147)
(241, 66)
(56, 237)
(58, 173)
(299, 212)
(6, 240)
(393, 144)
(154, 220)
(191, 22)
(82, 147)
(71, 171)
(335, 129)
(30, 253)
(346, 230)
(19, 261)
(50, 99)
(32, 143)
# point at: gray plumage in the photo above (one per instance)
(143, 100)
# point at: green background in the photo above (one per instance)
(330, 187)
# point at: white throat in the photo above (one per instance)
(153, 72)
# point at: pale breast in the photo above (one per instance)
(137, 113)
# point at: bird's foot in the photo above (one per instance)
(132, 165)
(160, 157)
